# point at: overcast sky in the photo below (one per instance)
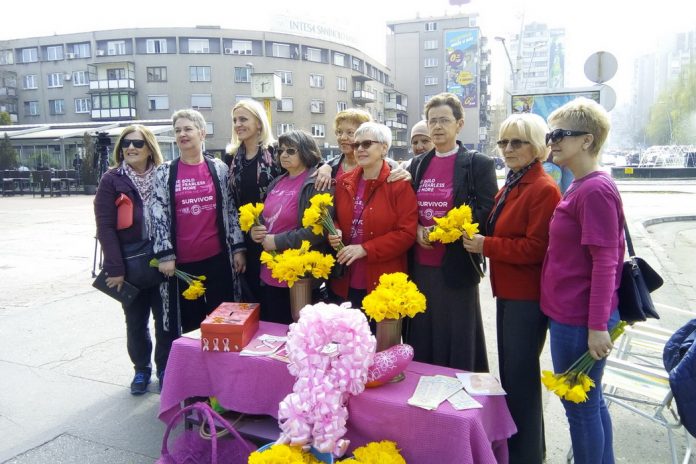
(626, 29)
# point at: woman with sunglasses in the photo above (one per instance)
(518, 235)
(450, 332)
(286, 200)
(582, 269)
(196, 226)
(136, 155)
(376, 220)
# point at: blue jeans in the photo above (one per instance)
(590, 424)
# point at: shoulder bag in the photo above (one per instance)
(136, 259)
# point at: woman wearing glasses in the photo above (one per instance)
(450, 332)
(518, 235)
(376, 219)
(196, 226)
(136, 155)
(582, 269)
(286, 200)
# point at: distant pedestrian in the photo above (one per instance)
(421, 142)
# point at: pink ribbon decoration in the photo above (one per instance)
(330, 350)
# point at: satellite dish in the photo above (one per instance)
(600, 67)
(607, 97)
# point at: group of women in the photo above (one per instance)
(553, 261)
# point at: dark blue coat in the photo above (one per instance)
(679, 358)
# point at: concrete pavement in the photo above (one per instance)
(64, 370)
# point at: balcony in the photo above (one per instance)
(111, 84)
(8, 92)
(113, 114)
(363, 96)
(396, 124)
(392, 105)
(398, 143)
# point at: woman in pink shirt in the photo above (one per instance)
(582, 268)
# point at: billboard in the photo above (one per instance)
(461, 65)
(544, 103)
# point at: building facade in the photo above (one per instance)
(538, 54)
(147, 74)
(446, 54)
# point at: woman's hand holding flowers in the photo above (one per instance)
(422, 237)
(473, 244)
(350, 253)
(599, 343)
(167, 267)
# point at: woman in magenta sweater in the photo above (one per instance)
(518, 235)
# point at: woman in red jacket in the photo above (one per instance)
(376, 220)
(518, 235)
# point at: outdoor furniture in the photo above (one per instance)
(256, 385)
(15, 181)
(45, 182)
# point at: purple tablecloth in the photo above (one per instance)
(256, 385)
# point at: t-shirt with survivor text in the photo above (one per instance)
(196, 214)
(435, 198)
(280, 214)
(358, 276)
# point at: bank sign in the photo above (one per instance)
(461, 65)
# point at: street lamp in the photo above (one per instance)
(531, 61)
(513, 71)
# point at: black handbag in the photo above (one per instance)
(136, 258)
(638, 280)
(125, 296)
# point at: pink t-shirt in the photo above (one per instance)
(280, 214)
(582, 269)
(358, 276)
(435, 198)
(196, 214)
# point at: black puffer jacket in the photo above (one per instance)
(679, 357)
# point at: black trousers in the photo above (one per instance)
(253, 291)
(138, 340)
(219, 287)
(521, 329)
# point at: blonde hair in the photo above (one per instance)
(150, 142)
(265, 137)
(584, 114)
(353, 115)
(532, 127)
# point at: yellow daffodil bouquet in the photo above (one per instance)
(294, 264)
(394, 297)
(452, 226)
(282, 454)
(249, 216)
(195, 288)
(317, 216)
(383, 452)
(574, 383)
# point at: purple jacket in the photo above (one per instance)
(111, 186)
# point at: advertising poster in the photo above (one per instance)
(461, 65)
(544, 104)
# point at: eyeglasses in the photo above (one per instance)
(556, 135)
(440, 121)
(514, 143)
(125, 143)
(365, 144)
(288, 151)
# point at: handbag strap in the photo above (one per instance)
(629, 242)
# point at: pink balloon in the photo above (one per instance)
(388, 364)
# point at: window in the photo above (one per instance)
(430, 80)
(430, 45)
(6, 57)
(81, 50)
(242, 47)
(55, 79)
(31, 108)
(115, 73)
(199, 73)
(209, 128)
(339, 59)
(201, 101)
(112, 101)
(80, 78)
(116, 47)
(356, 64)
(316, 80)
(426, 98)
(156, 46)
(281, 50)
(341, 106)
(316, 106)
(285, 77)
(318, 130)
(431, 26)
(54, 52)
(342, 83)
(31, 82)
(56, 106)
(285, 127)
(242, 74)
(313, 54)
(157, 102)
(30, 55)
(199, 45)
(157, 74)
(430, 62)
(284, 104)
(83, 105)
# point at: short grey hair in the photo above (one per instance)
(375, 131)
(192, 115)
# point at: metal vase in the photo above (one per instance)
(300, 296)
(388, 333)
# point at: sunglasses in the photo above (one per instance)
(514, 143)
(125, 143)
(289, 151)
(365, 144)
(556, 135)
